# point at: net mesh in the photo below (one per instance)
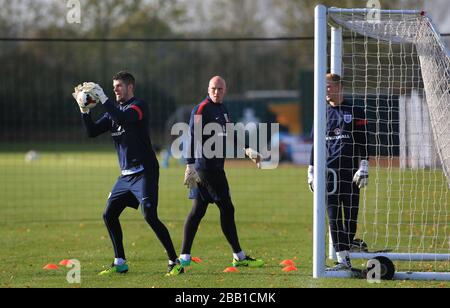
(397, 69)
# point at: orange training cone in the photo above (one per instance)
(288, 269)
(50, 267)
(287, 263)
(65, 262)
(196, 260)
(231, 269)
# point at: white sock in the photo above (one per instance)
(185, 257)
(171, 262)
(119, 261)
(239, 256)
(343, 257)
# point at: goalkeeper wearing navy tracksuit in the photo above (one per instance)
(206, 179)
(128, 124)
(347, 155)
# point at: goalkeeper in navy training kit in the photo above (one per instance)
(128, 124)
(347, 155)
(206, 179)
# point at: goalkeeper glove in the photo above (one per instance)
(77, 98)
(254, 156)
(191, 178)
(96, 91)
(361, 177)
(311, 178)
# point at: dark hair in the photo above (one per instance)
(126, 77)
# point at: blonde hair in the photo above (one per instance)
(334, 78)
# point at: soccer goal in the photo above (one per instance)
(394, 65)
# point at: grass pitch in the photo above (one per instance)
(50, 209)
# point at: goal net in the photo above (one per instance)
(395, 67)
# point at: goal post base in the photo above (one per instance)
(427, 276)
(401, 256)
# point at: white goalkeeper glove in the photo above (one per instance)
(77, 90)
(254, 156)
(191, 178)
(311, 178)
(96, 91)
(361, 177)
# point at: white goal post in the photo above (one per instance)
(398, 69)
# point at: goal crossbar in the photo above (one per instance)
(367, 10)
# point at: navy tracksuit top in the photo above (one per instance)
(128, 124)
(210, 112)
(346, 136)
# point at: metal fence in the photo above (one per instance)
(38, 77)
